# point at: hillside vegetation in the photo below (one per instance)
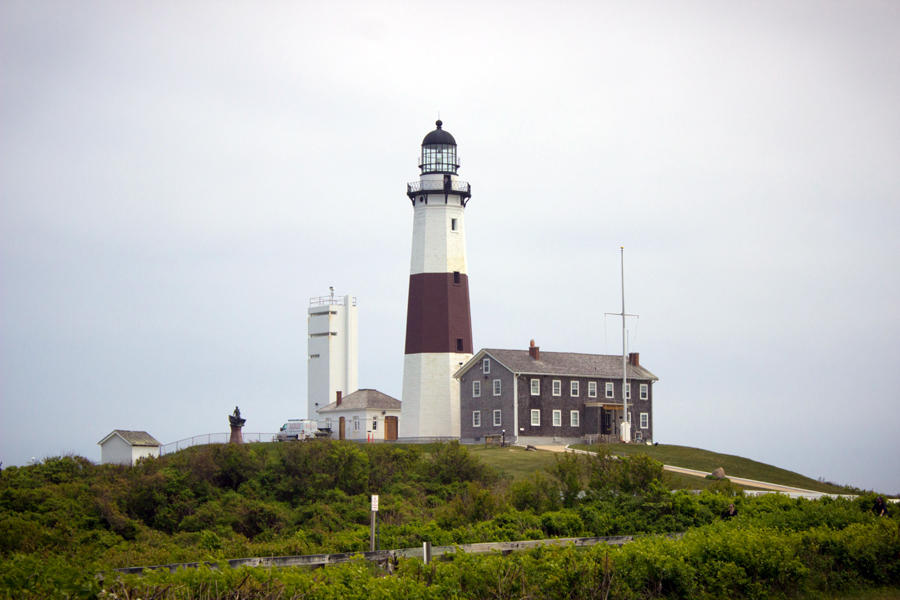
(735, 466)
(66, 519)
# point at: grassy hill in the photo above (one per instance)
(519, 464)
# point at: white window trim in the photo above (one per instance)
(498, 418)
(557, 418)
(535, 383)
(476, 418)
(574, 389)
(355, 423)
(498, 387)
(592, 389)
(645, 420)
(574, 418)
(476, 389)
(628, 391)
(645, 391)
(486, 366)
(610, 390)
(557, 387)
(535, 413)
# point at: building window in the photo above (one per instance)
(459, 344)
(557, 418)
(476, 418)
(456, 277)
(314, 356)
(645, 420)
(486, 366)
(592, 389)
(557, 387)
(355, 423)
(574, 418)
(453, 225)
(609, 390)
(496, 387)
(535, 418)
(645, 391)
(328, 422)
(375, 423)
(476, 389)
(628, 391)
(497, 418)
(573, 388)
(535, 387)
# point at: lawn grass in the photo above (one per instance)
(735, 466)
(514, 461)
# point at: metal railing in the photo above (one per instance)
(213, 438)
(330, 300)
(436, 185)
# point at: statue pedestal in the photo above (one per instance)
(236, 424)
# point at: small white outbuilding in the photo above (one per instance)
(125, 447)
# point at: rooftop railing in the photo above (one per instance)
(330, 300)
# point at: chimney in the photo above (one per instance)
(534, 351)
(634, 358)
(338, 394)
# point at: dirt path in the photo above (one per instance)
(738, 480)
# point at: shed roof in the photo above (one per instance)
(562, 363)
(361, 400)
(133, 438)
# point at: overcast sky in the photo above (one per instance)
(178, 179)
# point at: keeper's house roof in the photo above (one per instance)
(362, 400)
(132, 438)
(570, 364)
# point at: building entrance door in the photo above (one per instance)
(341, 429)
(390, 428)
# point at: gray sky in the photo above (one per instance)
(177, 179)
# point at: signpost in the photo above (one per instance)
(372, 523)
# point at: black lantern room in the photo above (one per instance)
(439, 152)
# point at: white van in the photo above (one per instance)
(297, 429)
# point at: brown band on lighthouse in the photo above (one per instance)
(437, 314)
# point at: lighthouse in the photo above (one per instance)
(438, 320)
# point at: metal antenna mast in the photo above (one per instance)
(626, 422)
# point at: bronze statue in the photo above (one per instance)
(235, 419)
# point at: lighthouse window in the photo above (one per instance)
(456, 277)
(452, 224)
(459, 345)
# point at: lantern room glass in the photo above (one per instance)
(439, 158)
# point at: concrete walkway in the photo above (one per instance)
(773, 487)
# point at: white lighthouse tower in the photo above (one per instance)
(438, 320)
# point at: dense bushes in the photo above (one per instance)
(230, 501)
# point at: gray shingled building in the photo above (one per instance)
(552, 397)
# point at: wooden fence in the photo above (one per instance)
(388, 556)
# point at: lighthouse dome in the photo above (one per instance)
(439, 136)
